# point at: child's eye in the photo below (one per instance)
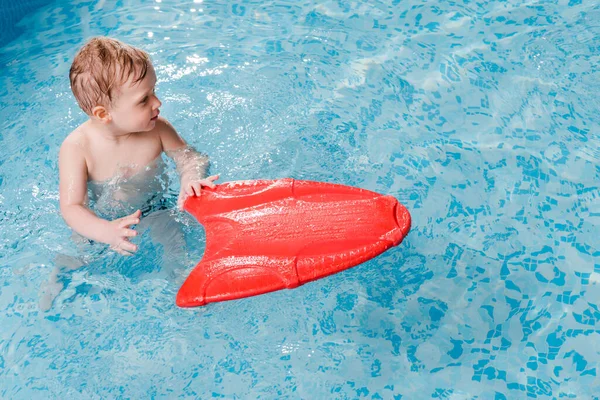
(144, 100)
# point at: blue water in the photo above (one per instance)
(482, 118)
(11, 13)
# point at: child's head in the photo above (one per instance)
(114, 83)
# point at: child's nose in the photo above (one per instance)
(157, 102)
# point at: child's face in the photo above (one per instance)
(136, 107)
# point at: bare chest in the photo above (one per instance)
(108, 160)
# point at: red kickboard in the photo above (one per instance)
(267, 235)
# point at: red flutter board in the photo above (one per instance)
(267, 235)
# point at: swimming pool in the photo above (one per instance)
(482, 118)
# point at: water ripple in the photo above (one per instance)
(481, 117)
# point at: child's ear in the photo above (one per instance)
(101, 113)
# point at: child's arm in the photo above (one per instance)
(191, 165)
(73, 192)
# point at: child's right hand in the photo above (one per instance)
(119, 233)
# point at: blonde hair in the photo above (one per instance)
(101, 67)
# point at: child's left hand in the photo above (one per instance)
(193, 187)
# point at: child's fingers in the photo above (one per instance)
(197, 188)
(131, 220)
(128, 246)
(123, 252)
(211, 179)
(120, 251)
(128, 232)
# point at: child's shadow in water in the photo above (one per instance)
(162, 254)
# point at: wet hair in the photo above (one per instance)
(101, 67)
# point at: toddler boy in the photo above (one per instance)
(114, 84)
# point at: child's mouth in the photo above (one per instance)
(155, 117)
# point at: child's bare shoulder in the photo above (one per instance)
(76, 143)
(167, 134)
(163, 126)
(77, 136)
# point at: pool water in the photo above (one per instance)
(482, 118)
